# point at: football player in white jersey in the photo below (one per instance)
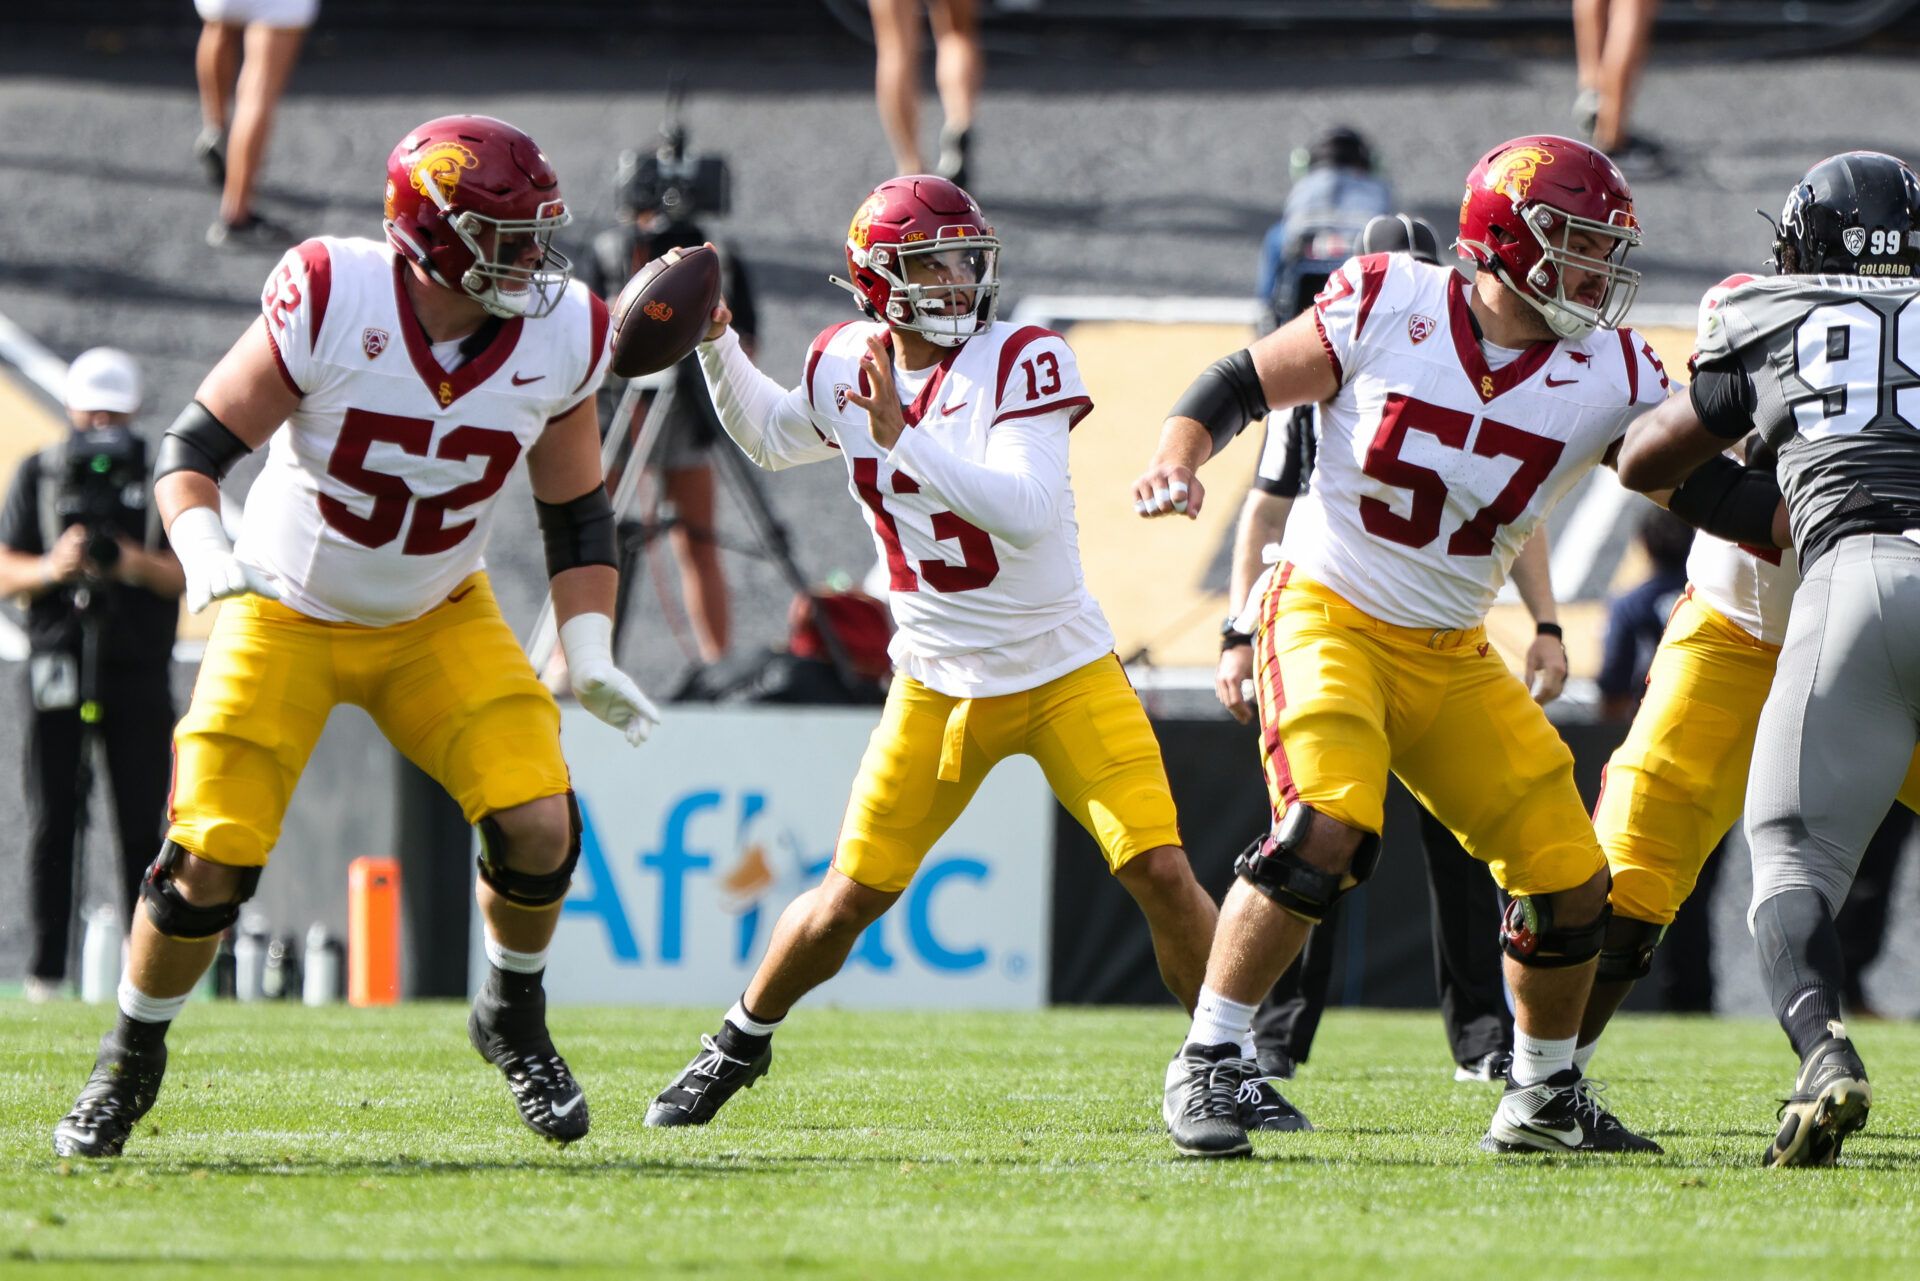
(1453, 417)
(410, 377)
(953, 428)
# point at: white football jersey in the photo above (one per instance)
(977, 615)
(378, 493)
(1751, 587)
(1439, 456)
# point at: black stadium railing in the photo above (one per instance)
(1823, 20)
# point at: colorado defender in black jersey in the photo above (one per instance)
(1823, 361)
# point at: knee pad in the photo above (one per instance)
(527, 889)
(169, 909)
(1626, 955)
(1530, 935)
(1273, 866)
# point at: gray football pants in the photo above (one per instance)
(1838, 731)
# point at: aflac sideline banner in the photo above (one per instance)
(696, 841)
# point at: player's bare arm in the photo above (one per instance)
(1287, 367)
(1669, 448)
(241, 402)
(576, 521)
(1545, 669)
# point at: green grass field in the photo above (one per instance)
(292, 1142)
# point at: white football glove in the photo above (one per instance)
(602, 688)
(212, 571)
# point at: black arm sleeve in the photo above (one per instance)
(578, 532)
(746, 319)
(1224, 398)
(1722, 395)
(1296, 455)
(1729, 501)
(197, 441)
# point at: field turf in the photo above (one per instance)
(291, 1142)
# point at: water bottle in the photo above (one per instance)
(280, 980)
(250, 958)
(100, 955)
(324, 960)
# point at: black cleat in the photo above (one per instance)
(123, 1086)
(1264, 1108)
(1830, 1100)
(1563, 1113)
(1201, 1102)
(551, 1102)
(705, 1084)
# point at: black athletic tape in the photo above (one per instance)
(1729, 501)
(1224, 398)
(579, 532)
(197, 441)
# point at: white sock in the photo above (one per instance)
(502, 957)
(1218, 1021)
(1535, 1061)
(141, 1008)
(1584, 1056)
(739, 1017)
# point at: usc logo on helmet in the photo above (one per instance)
(1512, 174)
(441, 164)
(862, 227)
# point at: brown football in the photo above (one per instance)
(663, 312)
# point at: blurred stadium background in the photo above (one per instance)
(1132, 153)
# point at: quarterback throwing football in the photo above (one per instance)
(1454, 416)
(411, 377)
(953, 428)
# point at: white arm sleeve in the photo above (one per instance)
(772, 425)
(1013, 495)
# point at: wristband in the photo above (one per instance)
(1550, 629)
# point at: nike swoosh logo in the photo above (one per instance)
(518, 381)
(1570, 1135)
(460, 595)
(1560, 382)
(954, 409)
(566, 1109)
(1799, 1001)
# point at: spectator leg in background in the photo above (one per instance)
(1589, 40)
(703, 581)
(1862, 919)
(1685, 958)
(896, 78)
(216, 65)
(53, 757)
(1287, 1020)
(958, 69)
(1629, 34)
(1466, 946)
(270, 56)
(138, 737)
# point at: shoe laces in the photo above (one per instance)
(1226, 1083)
(1590, 1104)
(709, 1065)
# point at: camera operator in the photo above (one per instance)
(660, 196)
(80, 541)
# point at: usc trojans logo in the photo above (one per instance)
(862, 226)
(440, 165)
(1512, 173)
(657, 310)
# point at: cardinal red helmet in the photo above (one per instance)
(1524, 203)
(474, 202)
(923, 258)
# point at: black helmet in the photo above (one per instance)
(1400, 233)
(1854, 214)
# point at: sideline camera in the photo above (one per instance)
(102, 474)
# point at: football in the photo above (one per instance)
(662, 313)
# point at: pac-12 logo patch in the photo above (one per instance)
(840, 391)
(1420, 328)
(373, 342)
(1855, 239)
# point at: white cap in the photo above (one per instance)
(103, 378)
